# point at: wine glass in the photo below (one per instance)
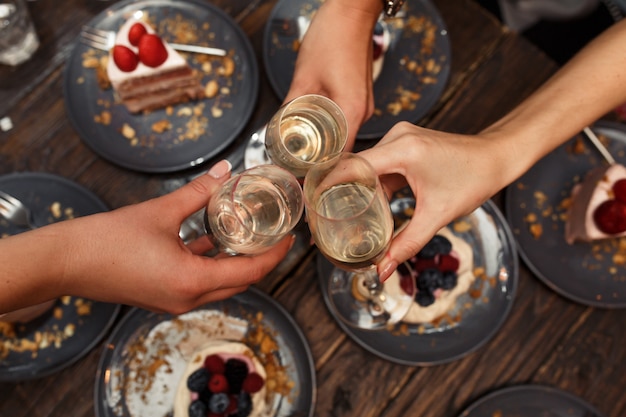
(304, 131)
(254, 210)
(352, 225)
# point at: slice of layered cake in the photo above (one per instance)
(147, 73)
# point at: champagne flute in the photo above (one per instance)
(304, 131)
(254, 210)
(352, 225)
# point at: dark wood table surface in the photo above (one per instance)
(547, 339)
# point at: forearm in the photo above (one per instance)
(584, 90)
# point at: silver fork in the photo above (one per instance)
(105, 39)
(14, 211)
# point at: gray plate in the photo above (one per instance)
(530, 401)
(574, 271)
(38, 191)
(494, 249)
(165, 152)
(279, 57)
(293, 352)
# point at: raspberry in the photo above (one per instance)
(610, 217)
(219, 403)
(198, 380)
(253, 383)
(218, 383)
(232, 406)
(214, 363)
(235, 371)
(448, 263)
(619, 189)
(424, 263)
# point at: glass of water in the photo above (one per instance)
(305, 131)
(254, 210)
(18, 37)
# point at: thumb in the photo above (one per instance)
(194, 195)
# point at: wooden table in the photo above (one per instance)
(547, 339)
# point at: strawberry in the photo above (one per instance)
(214, 364)
(125, 59)
(135, 33)
(152, 50)
(610, 217)
(619, 189)
(253, 383)
(218, 383)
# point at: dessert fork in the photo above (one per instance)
(15, 211)
(105, 39)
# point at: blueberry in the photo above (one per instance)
(219, 403)
(197, 381)
(429, 279)
(437, 245)
(197, 409)
(424, 298)
(205, 395)
(448, 280)
(244, 404)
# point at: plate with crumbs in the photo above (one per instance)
(177, 137)
(594, 273)
(147, 355)
(415, 62)
(472, 319)
(73, 326)
(530, 401)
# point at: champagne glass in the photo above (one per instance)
(352, 225)
(304, 131)
(254, 210)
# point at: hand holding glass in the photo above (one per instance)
(305, 131)
(352, 225)
(254, 210)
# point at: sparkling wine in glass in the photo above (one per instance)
(352, 225)
(304, 131)
(254, 210)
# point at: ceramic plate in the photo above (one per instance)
(531, 401)
(144, 357)
(476, 316)
(415, 69)
(583, 272)
(76, 325)
(199, 130)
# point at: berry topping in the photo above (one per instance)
(214, 364)
(619, 189)
(219, 403)
(198, 380)
(197, 409)
(152, 50)
(244, 404)
(438, 245)
(218, 383)
(448, 263)
(135, 33)
(424, 263)
(429, 279)
(236, 371)
(610, 217)
(424, 298)
(378, 50)
(253, 383)
(448, 280)
(125, 59)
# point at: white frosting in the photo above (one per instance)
(586, 197)
(445, 300)
(117, 76)
(226, 350)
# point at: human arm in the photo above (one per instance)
(132, 255)
(335, 59)
(452, 174)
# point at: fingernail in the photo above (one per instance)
(387, 270)
(220, 169)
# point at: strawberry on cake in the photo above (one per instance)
(223, 379)
(147, 73)
(443, 270)
(598, 206)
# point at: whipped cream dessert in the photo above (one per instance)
(598, 206)
(455, 266)
(203, 371)
(146, 72)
